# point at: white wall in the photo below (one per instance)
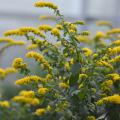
(102, 8)
(70, 7)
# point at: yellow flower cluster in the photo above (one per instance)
(47, 17)
(11, 41)
(45, 4)
(91, 118)
(100, 35)
(55, 32)
(106, 86)
(104, 23)
(114, 76)
(7, 71)
(72, 27)
(45, 28)
(59, 27)
(110, 99)
(32, 46)
(28, 79)
(83, 39)
(4, 104)
(23, 31)
(38, 57)
(48, 77)
(26, 93)
(82, 76)
(114, 50)
(13, 32)
(63, 85)
(102, 63)
(114, 31)
(18, 63)
(40, 111)
(42, 91)
(18, 43)
(26, 100)
(116, 42)
(87, 52)
(6, 40)
(85, 33)
(67, 66)
(58, 44)
(115, 59)
(26, 97)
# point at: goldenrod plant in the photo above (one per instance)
(80, 77)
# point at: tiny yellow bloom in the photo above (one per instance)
(40, 111)
(42, 91)
(63, 85)
(28, 94)
(100, 35)
(87, 51)
(4, 104)
(18, 63)
(32, 46)
(46, 4)
(91, 118)
(45, 28)
(28, 80)
(55, 32)
(110, 99)
(6, 40)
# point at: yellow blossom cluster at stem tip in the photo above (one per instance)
(4, 104)
(115, 59)
(23, 31)
(27, 93)
(114, 31)
(59, 27)
(67, 65)
(40, 111)
(26, 97)
(114, 50)
(100, 34)
(26, 100)
(47, 17)
(38, 57)
(18, 63)
(42, 91)
(106, 86)
(63, 85)
(45, 28)
(102, 63)
(83, 76)
(83, 39)
(104, 23)
(7, 71)
(11, 41)
(45, 4)
(116, 42)
(114, 77)
(110, 99)
(55, 32)
(85, 33)
(91, 118)
(87, 52)
(28, 80)
(32, 46)
(6, 40)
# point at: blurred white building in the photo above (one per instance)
(15, 13)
